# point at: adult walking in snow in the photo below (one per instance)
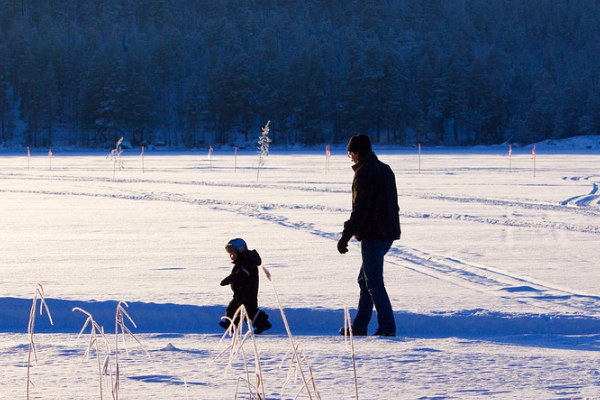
(375, 222)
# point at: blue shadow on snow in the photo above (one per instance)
(180, 318)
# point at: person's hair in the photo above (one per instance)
(360, 144)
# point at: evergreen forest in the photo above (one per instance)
(194, 73)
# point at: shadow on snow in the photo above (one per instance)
(185, 319)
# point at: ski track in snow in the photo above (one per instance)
(580, 205)
(590, 199)
(581, 202)
(475, 277)
(173, 182)
(270, 206)
(494, 281)
(480, 278)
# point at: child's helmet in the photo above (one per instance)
(235, 244)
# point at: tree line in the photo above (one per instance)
(189, 73)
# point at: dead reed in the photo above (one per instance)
(39, 292)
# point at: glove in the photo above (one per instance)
(342, 245)
(226, 281)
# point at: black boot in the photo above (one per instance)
(265, 326)
(261, 322)
(224, 324)
(355, 332)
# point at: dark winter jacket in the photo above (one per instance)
(375, 209)
(244, 278)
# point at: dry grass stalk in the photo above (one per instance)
(263, 141)
(96, 333)
(348, 328)
(239, 338)
(297, 359)
(31, 327)
(115, 155)
(120, 318)
(187, 395)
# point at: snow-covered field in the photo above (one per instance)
(495, 283)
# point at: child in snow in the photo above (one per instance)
(244, 283)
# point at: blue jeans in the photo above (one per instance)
(372, 288)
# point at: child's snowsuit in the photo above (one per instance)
(244, 283)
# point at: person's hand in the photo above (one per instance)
(342, 246)
(226, 281)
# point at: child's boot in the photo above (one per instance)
(224, 324)
(261, 322)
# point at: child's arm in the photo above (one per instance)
(236, 277)
(226, 281)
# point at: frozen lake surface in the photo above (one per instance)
(494, 282)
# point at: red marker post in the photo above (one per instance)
(50, 157)
(533, 158)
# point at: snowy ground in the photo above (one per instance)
(494, 283)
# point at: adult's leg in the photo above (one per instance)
(373, 252)
(365, 303)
